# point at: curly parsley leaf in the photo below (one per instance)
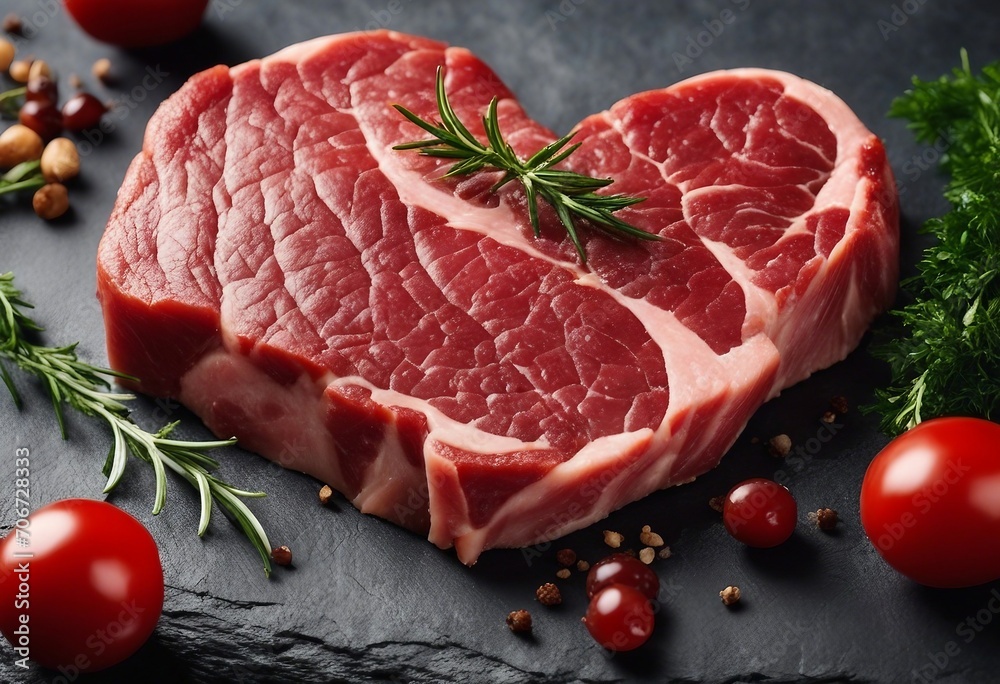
(945, 358)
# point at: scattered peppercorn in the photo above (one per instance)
(325, 494)
(566, 557)
(665, 553)
(519, 621)
(839, 404)
(650, 538)
(780, 445)
(282, 555)
(102, 70)
(548, 594)
(582, 565)
(715, 503)
(826, 519)
(828, 417)
(564, 573)
(613, 539)
(51, 201)
(12, 24)
(647, 554)
(730, 595)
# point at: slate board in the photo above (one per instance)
(367, 601)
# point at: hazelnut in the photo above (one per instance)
(51, 201)
(19, 70)
(39, 69)
(19, 144)
(60, 160)
(6, 54)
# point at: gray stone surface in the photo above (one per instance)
(369, 602)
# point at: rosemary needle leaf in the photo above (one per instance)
(68, 380)
(569, 193)
(205, 490)
(9, 382)
(117, 459)
(548, 152)
(156, 458)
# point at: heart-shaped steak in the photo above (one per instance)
(273, 263)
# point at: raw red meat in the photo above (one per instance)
(275, 265)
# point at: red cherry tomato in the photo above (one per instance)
(930, 502)
(620, 618)
(91, 592)
(620, 568)
(137, 23)
(760, 513)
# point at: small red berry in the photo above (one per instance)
(41, 117)
(619, 568)
(82, 111)
(42, 89)
(620, 618)
(760, 513)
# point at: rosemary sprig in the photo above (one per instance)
(11, 101)
(25, 176)
(570, 193)
(84, 387)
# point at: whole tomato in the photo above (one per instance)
(930, 502)
(81, 586)
(137, 23)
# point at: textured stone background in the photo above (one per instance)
(370, 602)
